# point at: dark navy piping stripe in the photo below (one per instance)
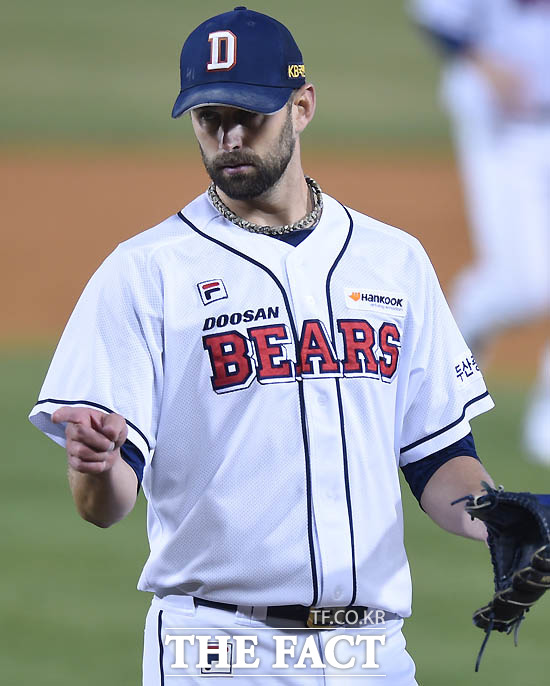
(161, 649)
(91, 404)
(348, 491)
(331, 271)
(249, 259)
(300, 393)
(314, 578)
(445, 428)
(341, 412)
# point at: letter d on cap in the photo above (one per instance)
(223, 51)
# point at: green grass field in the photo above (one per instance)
(71, 615)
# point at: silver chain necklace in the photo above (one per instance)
(305, 223)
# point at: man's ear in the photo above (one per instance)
(303, 106)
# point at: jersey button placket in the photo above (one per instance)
(329, 492)
(334, 546)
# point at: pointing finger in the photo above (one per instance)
(76, 415)
(67, 414)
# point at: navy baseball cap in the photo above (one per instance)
(240, 58)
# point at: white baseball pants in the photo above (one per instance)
(188, 644)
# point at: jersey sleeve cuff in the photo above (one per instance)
(452, 432)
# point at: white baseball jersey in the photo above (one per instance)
(273, 391)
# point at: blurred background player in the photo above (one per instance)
(496, 90)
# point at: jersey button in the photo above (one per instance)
(310, 300)
(337, 592)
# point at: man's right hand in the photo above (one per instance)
(93, 438)
(103, 485)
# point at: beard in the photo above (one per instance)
(265, 171)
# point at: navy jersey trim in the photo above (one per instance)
(341, 412)
(99, 407)
(445, 428)
(161, 649)
(315, 581)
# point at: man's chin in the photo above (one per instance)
(239, 186)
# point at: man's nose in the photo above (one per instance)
(231, 137)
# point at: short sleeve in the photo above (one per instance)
(444, 388)
(110, 354)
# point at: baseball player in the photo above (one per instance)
(496, 89)
(261, 363)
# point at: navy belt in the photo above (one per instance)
(316, 617)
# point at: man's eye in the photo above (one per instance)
(208, 117)
(249, 118)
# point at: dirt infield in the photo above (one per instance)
(63, 213)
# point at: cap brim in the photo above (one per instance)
(264, 99)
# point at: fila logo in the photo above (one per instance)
(212, 290)
(223, 51)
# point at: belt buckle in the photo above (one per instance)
(322, 617)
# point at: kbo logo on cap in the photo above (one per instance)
(223, 51)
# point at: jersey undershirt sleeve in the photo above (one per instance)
(134, 458)
(417, 474)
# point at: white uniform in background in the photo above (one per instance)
(503, 149)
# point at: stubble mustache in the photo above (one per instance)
(234, 159)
